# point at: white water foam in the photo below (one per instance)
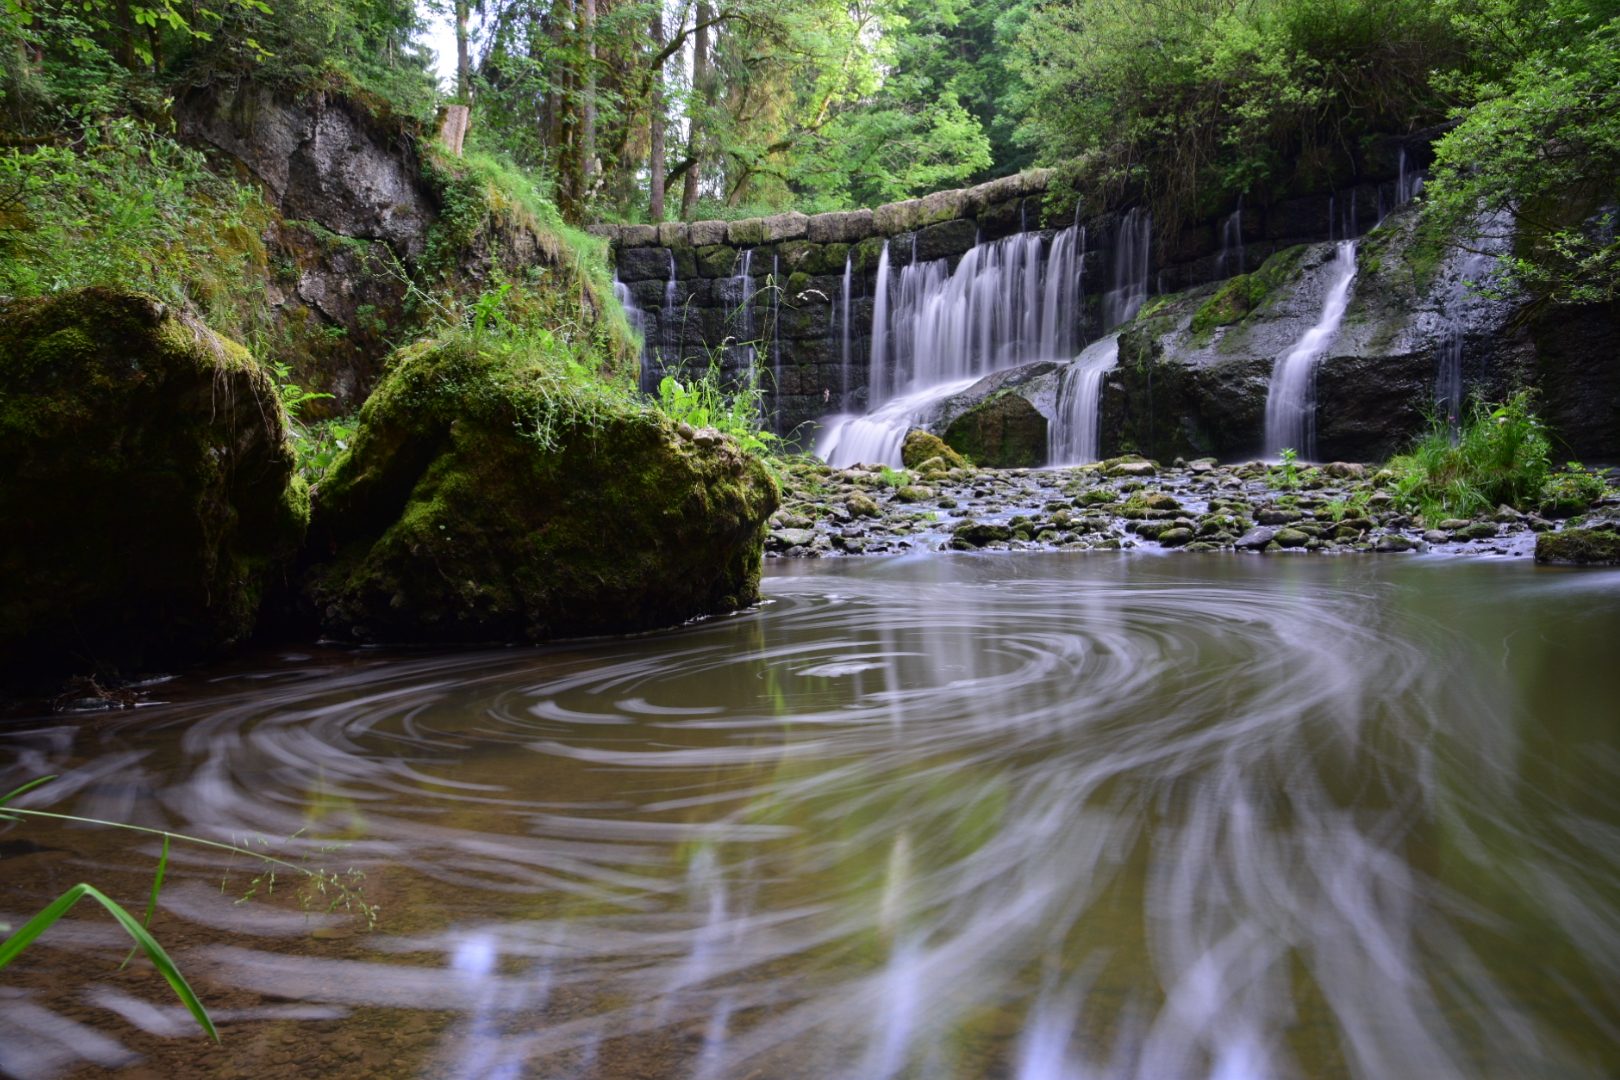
(1074, 438)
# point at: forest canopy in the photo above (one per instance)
(627, 110)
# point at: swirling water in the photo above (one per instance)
(953, 816)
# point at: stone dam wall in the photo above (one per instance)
(793, 295)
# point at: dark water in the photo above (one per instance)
(1028, 817)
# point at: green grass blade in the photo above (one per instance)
(40, 923)
(8, 796)
(151, 904)
(160, 959)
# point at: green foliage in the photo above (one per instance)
(132, 209)
(894, 478)
(1539, 150)
(1500, 458)
(703, 402)
(1192, 104)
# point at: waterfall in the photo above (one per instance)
(877, 377)
(1448, 382)
(1407, 183)
(1124, 300)
(637, 320)
(936, 331)
(1230, 261)
(737, 305)
(843, 324)
(1075, 435)
(1291, 400)
(776, 336)
(1059, 335)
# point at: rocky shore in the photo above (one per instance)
(1132, 502)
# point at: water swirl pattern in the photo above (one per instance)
(1037, 818)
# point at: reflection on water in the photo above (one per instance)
(946, 817)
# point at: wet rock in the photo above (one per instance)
(1345, 470)
(1435, 536)
(1453, 524)
(1176, 536)
(1478, 530)
(1256, 539)
(922, 448)
(1278, 516)
(1392, 544)
(913, 494)
(147, 493)
(1133, 469)
(451, 523)
(1578, 546)
(1290, 538)
(782, 539)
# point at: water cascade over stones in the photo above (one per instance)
(843, 320)
(936, 331)
(1230, 260)
(1131, 261)
(1291, 398)
(1075, 435)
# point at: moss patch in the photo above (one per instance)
(1583, 546)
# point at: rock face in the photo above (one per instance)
(1195, 367)
(146, 488)
(480, 502)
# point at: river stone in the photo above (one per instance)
(1453, 524)
(1478, 530)
(1277, 516)
(474, 505)
(1255, 539)
(1133, 468)
(1581, 546)
(1175, 537)
(913, 494)
(1290, 538)
(921, 447)
(1345, 470)
(1005, 431)
(1435, 536)
(863, 505)
(147, 491)
(976, 534)
(782, 539)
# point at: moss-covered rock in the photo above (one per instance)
(1588, 546)
(486, 498)
(1005, 431)
(147, 488)
(921, 447)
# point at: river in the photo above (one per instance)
(1033, 817)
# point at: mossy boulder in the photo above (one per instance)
(1005, 431)
(147, 488)
(921, 447)
(1582, 546)
(488, 498)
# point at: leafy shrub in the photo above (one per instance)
(1500, 458)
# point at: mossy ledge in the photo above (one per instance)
(1579, 546)
(488, 498)
(147, 488)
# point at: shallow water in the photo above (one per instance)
(1029, 816)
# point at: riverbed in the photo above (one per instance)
(962, 815)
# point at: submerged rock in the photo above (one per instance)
(147, 487)
(485, 499)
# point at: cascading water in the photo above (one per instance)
(1230, 260)
(935, 332)
(1074, 436)
(1448, 383)
(738, 312)
(843, 323)
(1131, 258)
(1291, 400)
(638, 324)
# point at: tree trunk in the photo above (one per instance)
(700, 94)
(655, 149)
(463, 59)
(587, 136)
